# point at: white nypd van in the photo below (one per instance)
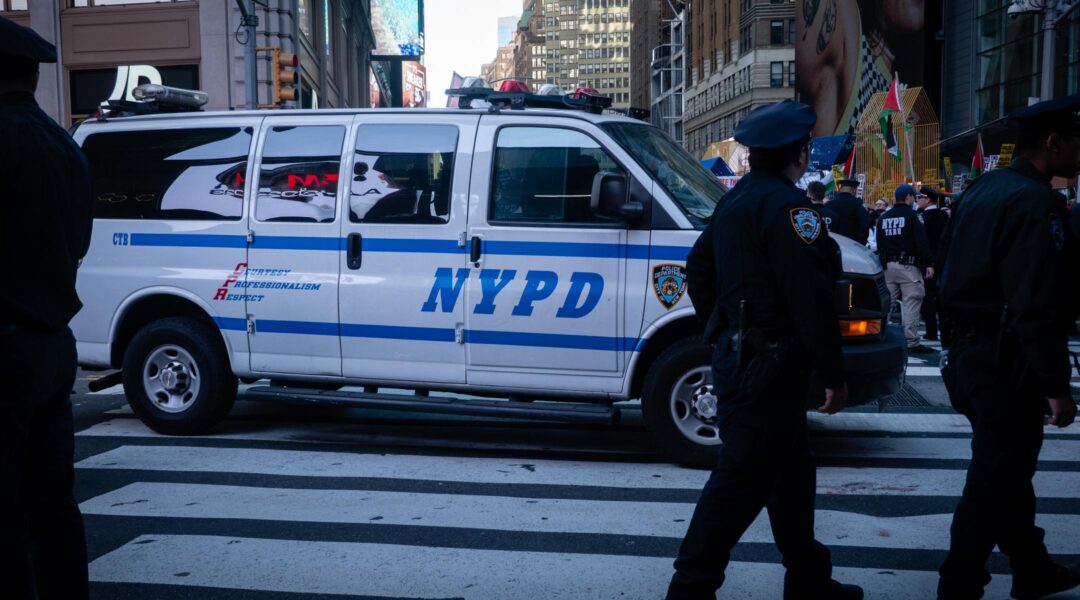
(532, 255)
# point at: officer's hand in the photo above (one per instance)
(835, 400)
(929, 272)
(1062, 411)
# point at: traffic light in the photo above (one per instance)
(283, 74)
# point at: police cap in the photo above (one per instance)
(903, 191)
(848, 183)
(776, 125)
(1058, 114)
(21, 46)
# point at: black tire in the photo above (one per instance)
(209, 365)
(677, 360)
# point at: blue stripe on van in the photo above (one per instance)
(438, 334)
(414, 245)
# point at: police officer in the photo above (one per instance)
(1009, 367)
(935, 220)
(853, 220)
(905, 251)
(815, 193)
(764, 262)
(44, 231)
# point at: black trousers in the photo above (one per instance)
(997, 507)
(43, 544)
(765, 463)
(929, 309)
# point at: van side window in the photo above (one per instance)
(545, 175)
(298, 174)
(182, 174)
(403, 174)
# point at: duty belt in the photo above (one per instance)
(903, 259)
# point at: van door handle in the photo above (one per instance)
(474, 250)
(354, 250)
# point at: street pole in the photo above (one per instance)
(1050, 17)
(250, 22)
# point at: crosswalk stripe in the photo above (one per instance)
(831, 480)
(422, 572)
(915, 371)
(551, 515)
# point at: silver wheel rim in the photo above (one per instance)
(693, 407)
(171, 378)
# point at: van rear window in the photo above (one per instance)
(170, 174)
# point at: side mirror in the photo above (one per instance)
(611, 197)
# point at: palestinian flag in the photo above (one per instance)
(891, 107)
(977, 160)
(849, 165)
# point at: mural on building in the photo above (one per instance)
(848, 50)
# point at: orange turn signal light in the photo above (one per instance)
(860, 327)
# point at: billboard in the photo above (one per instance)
(847, 50)
(413, 85)
(398, 26)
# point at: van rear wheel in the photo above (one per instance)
(177, 376)
(678, 404)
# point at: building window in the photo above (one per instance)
(13, 5)
(776, 33)
(776, 74)
(85, 3)
(305, 17)
(791, 32)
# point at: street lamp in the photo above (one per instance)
(1052, 11)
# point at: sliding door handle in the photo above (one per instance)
(354, 251)
(474, 249)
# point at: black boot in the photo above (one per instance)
(1031, 586)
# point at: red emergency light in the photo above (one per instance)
(514, 86)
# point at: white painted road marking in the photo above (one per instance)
(550, 515)
(421, 572)
(831, 480)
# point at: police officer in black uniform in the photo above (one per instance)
(935, 220)
(815, 193)
(767, 270)
(1009, 366)
(905, 252)
(44, 231)
(853, 220)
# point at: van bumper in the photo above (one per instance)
(873, 370)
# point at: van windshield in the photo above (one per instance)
(689, 184)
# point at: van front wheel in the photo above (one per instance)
(678, 405)
(177, 376)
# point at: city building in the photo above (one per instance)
(992, 66)
(587, 44)
(195, 44)
(529, 46)
(666, 77)
(649, 29)
(741, 55)
(507, 27)
(501, 68)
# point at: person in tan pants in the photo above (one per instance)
(905, 251)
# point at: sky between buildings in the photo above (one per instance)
(460, 35)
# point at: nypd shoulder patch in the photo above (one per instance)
(1057, 231)
(807, 223)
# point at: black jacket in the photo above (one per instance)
(1005, 249)
(45, 223)
(935, 220)
(771, 248)
(901, 237)
(852, 219)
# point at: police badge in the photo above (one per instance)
(1057, 232)
(669, 283)
(807, 224)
